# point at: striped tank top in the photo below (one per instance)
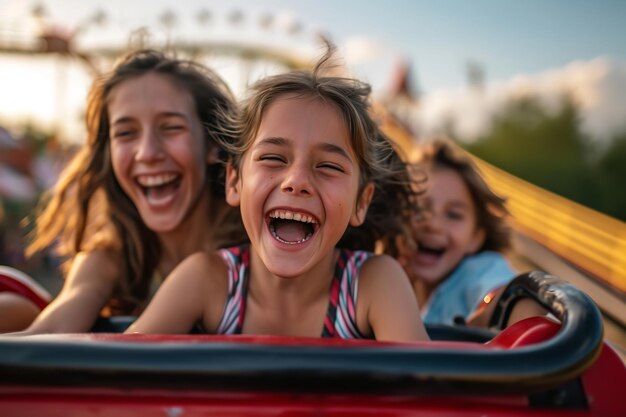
(340, 320)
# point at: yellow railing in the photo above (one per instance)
(590, 240)
(584, 237)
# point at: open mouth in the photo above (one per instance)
(157, 188)
(291, 227)
(430, 249)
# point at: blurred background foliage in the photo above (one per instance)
(550, 150)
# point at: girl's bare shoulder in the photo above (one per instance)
(204, 263)
(205, 269)
(381, 275)
(379, 268)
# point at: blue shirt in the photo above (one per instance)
(464, 289)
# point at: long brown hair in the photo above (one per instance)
(88, 210)
(395, 197)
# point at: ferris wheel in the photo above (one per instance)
(241, 46)
(276, 40)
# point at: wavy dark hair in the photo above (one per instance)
(88, 210)
(394, 204)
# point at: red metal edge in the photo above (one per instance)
(23, 287)
(605, 384)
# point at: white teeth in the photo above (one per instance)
(155, 180)
(291, 215)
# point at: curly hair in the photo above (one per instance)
(395, 197)
(88, 210)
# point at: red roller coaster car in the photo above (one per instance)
(533, 368)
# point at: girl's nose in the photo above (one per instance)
(432, 220)
(298, 181)
(149, 147)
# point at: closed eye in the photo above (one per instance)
(272, 158)
(331, 166)
(123, 134)
(173, 122)
(173, 127)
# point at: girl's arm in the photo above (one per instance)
(391, 307)
(194, 291)
(88, 286)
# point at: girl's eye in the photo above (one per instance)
(173, 127)
(272, 158)
(123, 134)
(331, 166)
(455, 215)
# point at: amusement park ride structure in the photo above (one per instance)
(51, 38)
(536, 367)
(551, 233)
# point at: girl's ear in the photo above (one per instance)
(233, 196)
(477, 241)
(362, 204)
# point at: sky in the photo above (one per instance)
(533, 44)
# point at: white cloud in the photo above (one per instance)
(598, 87)
(360, 49)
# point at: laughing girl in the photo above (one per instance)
(317, 185)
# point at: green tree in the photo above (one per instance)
(611, 178)
(545, 148)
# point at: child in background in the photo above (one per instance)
(459, 257)
(316, 182)
(143, 193)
